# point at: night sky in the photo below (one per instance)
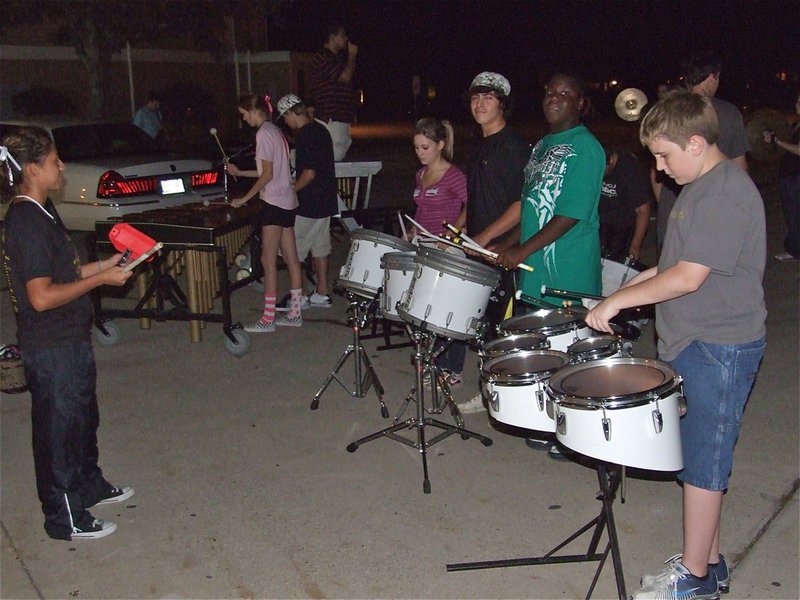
(639, 43)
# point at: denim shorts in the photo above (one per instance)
(717, 379)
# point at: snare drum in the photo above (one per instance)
(597, 347)
(361, 273)
(513, 343)
(516, 386)
(562, 327)
(624, 411)
(398, 270)
(448, 294)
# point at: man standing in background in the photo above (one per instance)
(148, 118)
(332, 87)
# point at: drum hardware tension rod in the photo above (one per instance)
(362, 309)
(420, 421)
(609, 478)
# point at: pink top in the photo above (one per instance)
(441, 201)
(272, 146)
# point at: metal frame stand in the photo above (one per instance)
(361, 309)
(420, 422)
(438, 385)
(609, 478)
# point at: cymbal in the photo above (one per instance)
(629, 104)
(760, 121)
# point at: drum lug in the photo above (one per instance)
(658, 420)
(494, 400)
(607, 428)
(428, 310)
(683, 406)
(540, 399)
(561, 423)
(449, 318)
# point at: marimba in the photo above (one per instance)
(200, 244)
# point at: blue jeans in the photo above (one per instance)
(790, 203)
(717, 379)
(64, 418)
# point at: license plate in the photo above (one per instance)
(172, 186)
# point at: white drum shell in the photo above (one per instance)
(398, 271)
(630, 435)
(361, 273)
(520, 399)
(449, 302)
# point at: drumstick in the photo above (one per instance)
(402, 225)
(548, 291)
(470, 243)
(465, 244)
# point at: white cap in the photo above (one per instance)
(493, 81)
(287, 102)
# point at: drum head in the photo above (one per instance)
(544, 320)
(524, 367)
(599, 344)
(515, 343)
(377, 237)
(612, 382)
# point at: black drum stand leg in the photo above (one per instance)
(420, 421)
(609, 479)
(365, 375)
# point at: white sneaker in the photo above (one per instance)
(287, 321)
(785, 257)
(261, 327)
(316, 300)
(474, 405)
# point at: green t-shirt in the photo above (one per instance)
(563, 177)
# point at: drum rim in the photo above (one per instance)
(387, 239)
(406, 262)
(526, 378)
(459, 266)
(450, 333)
(662, 390)
(609, 351)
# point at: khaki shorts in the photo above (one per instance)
(312, 235)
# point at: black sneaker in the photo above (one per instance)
(283, 304)
(89, 528)
(115, 494)
(723, 574)
(538, 444)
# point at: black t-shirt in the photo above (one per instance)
(314, 150)
(624, 190)
(36, 245)
(494, 177)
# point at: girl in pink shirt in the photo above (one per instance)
(274, 187)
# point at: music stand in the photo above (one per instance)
(361, 309)
(609, 477)
(420, 421)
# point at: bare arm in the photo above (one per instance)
(639, 230)
(263, 179)
(92, 268)
(461, 221)
(46, 295)
(679, 280)
(306, 177)
(553, 229)
(504, 223)
(655, 183)
(346, 76)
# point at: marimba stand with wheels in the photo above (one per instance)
(361, 309)
(421, 421)
(609, 478)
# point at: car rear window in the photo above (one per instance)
(101, 141)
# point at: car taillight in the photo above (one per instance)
(112, 185)
(206, 178)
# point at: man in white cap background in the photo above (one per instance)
(315, 185)
(494, 178)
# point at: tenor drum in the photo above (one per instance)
(448, 294)
(516, 385)
(361, 273)
(562, 327)
(597, 347)
(513, 343)
(624, 411)
(398, 270)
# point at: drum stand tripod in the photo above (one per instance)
(420, 422)
(438, 384)
(361, 309)
(609, 478)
